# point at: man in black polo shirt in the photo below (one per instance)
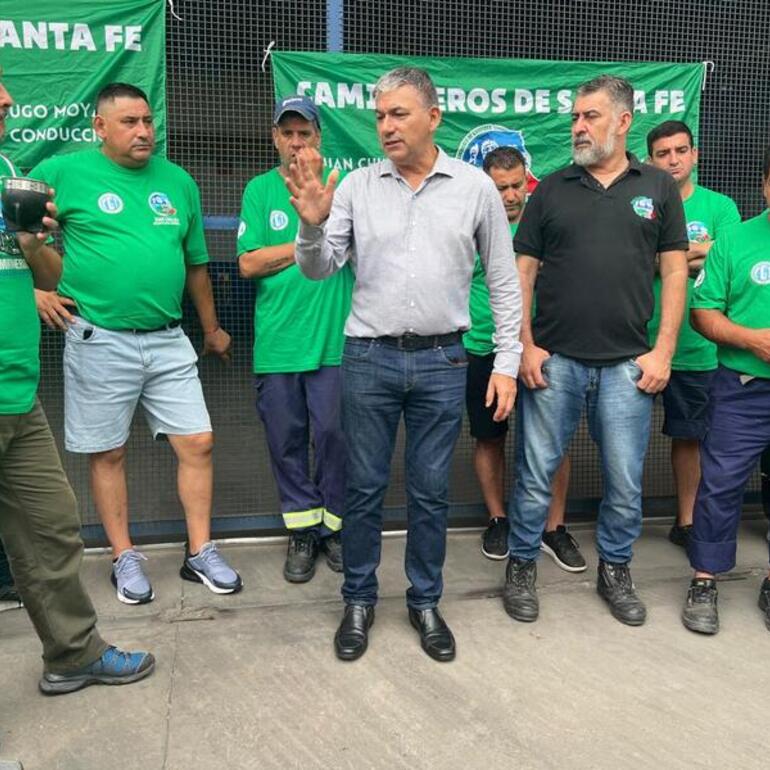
(596, 226)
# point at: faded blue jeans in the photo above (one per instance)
(619, 416)
(380, 384)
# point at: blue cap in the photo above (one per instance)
(299, 104)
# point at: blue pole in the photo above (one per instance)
(334, 33)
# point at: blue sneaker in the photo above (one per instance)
(129, 579)
(209, 567)
(114, 667)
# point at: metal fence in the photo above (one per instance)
(219, 116)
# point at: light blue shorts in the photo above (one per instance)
(106, 373)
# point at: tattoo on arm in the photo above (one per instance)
(276, 265)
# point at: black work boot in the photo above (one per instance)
(519, 594)
(699, 613)
(764, 601)
(615, 586)
(300, 557)
(331, 545)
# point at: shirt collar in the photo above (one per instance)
(442, 166)
(573, 171)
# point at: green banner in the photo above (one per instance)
(56, 56)
(485, 102)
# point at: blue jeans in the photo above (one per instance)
(619, 416)
(379, 384)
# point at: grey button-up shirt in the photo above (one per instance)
(413, 251)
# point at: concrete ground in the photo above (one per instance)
(251, 681)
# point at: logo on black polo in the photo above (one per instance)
(643, 207)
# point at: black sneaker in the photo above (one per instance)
(615, 586)
(680, 535)
(494, 541)
(519, 593)
(563, 549)
(699, 613)
(332, 547)
(301, 557)
(764, 601)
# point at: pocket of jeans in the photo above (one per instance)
(357, 350)
(454, 356)
(80, 332)
(636, 370)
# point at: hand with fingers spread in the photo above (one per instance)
(311, 198)
(531, 369)
(54, 311)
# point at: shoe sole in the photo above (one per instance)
(48, 687)
(559, 563)
(9, 604)
(194, 576)
(347, 656)
(493, 556)
(437, 656)
(127, 599)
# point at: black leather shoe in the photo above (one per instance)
(435, 637)
(352, 636)
(519, 592)
(615, 586)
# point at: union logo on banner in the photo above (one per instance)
(477, 144)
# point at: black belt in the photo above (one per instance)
(420, 342)
(170, 325)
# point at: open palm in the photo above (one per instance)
(311, 198)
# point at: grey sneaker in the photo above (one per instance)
(209, 567)
(129, 579)
(699, 613)
(519, 593)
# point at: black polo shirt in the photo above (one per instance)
(598, 247)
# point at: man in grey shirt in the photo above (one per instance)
(411, 226)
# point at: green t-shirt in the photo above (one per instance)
(478, 339)
(298, 323)
(736, 280)
(128, 236)
(707, 213)
(19, 351)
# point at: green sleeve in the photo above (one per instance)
(195, 251)
(727, 215)
(251, 230)
(713, 282)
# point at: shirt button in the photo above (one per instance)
(412, 275)
(411, 304)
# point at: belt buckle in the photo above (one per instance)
(408, 341)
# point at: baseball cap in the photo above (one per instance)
(299, 104)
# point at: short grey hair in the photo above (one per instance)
(408, 76)
(620, 91)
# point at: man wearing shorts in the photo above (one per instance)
(133, 240)
(507, 168)
(685, 398)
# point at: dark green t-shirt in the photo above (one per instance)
(736, 280)
(19, 351)
(707, 213)
(298, 323)
(478, 339)
(129, 235)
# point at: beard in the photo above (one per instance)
(596, 152)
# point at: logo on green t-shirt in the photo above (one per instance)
(160, 203)
(279, 220)
(760, 273)
(698, 232)
(643, 207)
(241, 228)
(700, 279)
(110, 203)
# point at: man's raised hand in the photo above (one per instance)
(311, 198)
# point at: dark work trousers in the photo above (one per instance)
(294, 407)
(738, 433)
(40, 527)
